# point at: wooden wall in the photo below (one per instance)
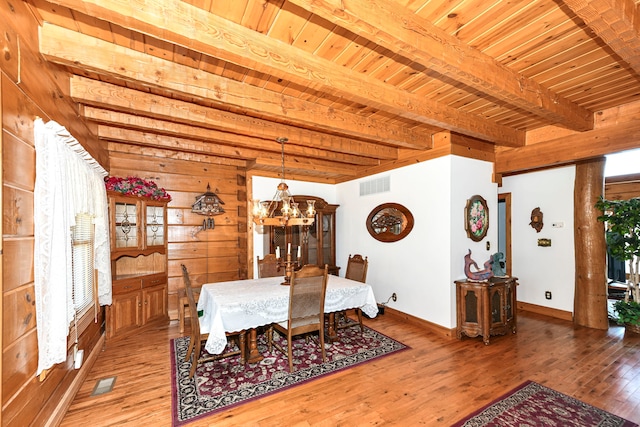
(210, 255)
(28, 88)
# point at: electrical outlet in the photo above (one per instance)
(394, 297)
(547, 294)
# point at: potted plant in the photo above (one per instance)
(622, 218)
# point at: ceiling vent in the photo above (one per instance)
(374, 186)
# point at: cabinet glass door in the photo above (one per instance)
(126, 225)
(155, 225)
(327, 239)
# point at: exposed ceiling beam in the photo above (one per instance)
(569, 148)
(128, 136)
(162, 153)
(401, 31)
(106, 95)
(74, 49)
(228, 144)
(616, 22)
(302, 167)
(193, 28)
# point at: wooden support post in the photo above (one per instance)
(590, 301)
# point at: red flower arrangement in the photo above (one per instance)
(134, 186)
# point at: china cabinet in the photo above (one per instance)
(317, 242)
(486, 308)
(138, 264)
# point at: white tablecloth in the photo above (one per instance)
(244, 304)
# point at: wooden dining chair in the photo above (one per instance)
(197, 339)
(268, 266)
(306, 309)
(183, 305)
(356, 270)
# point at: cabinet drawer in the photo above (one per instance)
(154, 280)
(126, 285)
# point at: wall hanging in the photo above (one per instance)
(208, 204)
(536, 219)
(476, 218)
(389, 222)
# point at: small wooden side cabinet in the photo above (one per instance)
(486, 308)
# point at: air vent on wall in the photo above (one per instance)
(373, 186)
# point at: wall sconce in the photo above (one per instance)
(208, 204)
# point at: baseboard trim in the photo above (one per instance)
(433, 327)
(67, 398)
(547, 311)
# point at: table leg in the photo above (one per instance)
(253, 355)
(332, 333)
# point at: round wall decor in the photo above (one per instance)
(389, 222)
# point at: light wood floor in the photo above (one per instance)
(435, 383)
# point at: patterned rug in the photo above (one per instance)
(221, 384)
(532, 404)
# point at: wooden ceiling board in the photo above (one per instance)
(540, 40)
(474, 28)
(590, 74)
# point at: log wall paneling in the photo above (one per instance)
(590, 300)
(209, 255)
(29, 88)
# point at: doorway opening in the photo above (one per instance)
(504, 228)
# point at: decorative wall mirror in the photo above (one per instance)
(389, 222)
(476, 218)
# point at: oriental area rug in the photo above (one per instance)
(532, 404)
(221, 384)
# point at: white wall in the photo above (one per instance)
(470, 177)
(541, 269)
(421, 267)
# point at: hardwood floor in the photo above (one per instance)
(435, 383)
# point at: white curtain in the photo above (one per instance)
(68, 181)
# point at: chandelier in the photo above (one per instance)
(266, 212)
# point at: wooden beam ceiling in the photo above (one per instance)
(191, 27)
(414, 37)
(66, 47)
(614, 21)
(357, 87)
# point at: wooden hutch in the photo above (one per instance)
(138, 228)
(317, 242)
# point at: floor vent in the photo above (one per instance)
(373, 186)
(104, 385)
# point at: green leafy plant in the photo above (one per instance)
(622, 219)
(628, 312)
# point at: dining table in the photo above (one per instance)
(244, 305)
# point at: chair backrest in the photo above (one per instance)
(357, 268)
(268, 266)
(193, 307)
(306, 297)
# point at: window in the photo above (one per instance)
(82, 241)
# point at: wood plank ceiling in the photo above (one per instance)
(355, 85)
